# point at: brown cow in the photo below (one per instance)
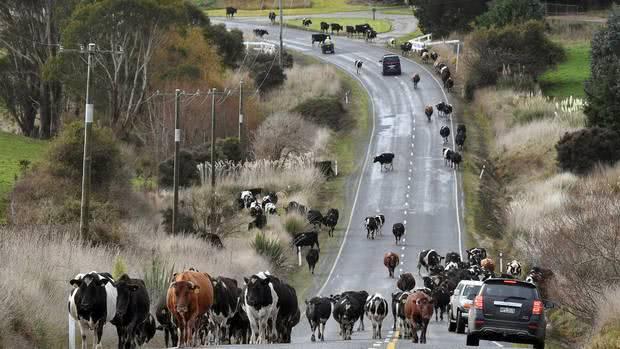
(391, 260)
(419, 311)
(488, 264)
(189, 297)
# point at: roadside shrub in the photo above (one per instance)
(209, 209)
(188, 172)
(504, 12)
(119, 268)
(65, 155)
(324, 111)
(271, 248)
(266, 72)
(580, 151)
(283, 134)
(185, 222)
(294, 223)
(225, 149)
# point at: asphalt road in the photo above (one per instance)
(420, 192)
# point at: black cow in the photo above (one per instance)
(398, 229)
(324, 27)
(461, 135)
(427, 259)
(306, 22)
(438, 66)
(386, 161)
(348, 308)
(230, 12)
(336, 28)
(166, 323)
(361, 29)
(476, 255)
(272, 17)
(260, 32)
(406, 282)
(350, 30)
(452, 257)
(371, 35)
(260, 221)
(134, 324)
(239, 329)
(331, 220)
(371, 227)
(448, 84)
(212, 239)
(444, 132)
(92, 303)
(310, 238)
(288, 309)
(312, 258)
(315, 218)
(441, 295)
(318, 311)
(226, 296)
(455, 160)
(406, 47)
(434, 55)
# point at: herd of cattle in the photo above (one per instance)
(440, 67)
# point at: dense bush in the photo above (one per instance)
(521, 49)
(266, 72)
(504, 12)
(441, 17)
(188, 172)
(185, 221)
(324, 111)
(66, 153)
(603, 87)
(580, 151)
(225, 149)
(229, 43)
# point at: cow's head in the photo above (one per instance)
(257, 289)
(92, 290)
(126, 288)
(185, 292)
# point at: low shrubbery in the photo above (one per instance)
(324, 111)
(582, 150)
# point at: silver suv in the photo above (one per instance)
(460, 302)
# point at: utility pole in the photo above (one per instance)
(281, 26)
(213, 92)
(88, 127)
(240, 108)
(177, 145)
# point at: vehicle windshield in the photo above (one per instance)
(391, 59)
(471, 291)
(503, 291)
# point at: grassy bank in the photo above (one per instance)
(318, 7)
(346, 146)
(567, 79)
(14, 150)
(379, 25)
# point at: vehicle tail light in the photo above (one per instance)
(510, 282)
(467, 305)
(479, 302)
(537, 308)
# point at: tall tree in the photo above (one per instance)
(603, 87)
(504, 12)
(440, 17)
(29, 34)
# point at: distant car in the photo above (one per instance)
(460, 302)
(508, 310)
(391, 65)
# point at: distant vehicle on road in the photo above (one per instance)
(460, 302)
(391, 65)
(508, 310)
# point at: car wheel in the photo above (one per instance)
(451, 325)
(460, 322)
(472, 340)
(540, 345)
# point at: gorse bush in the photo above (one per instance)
(582, 150)
(188, 172)
(324, 111)
(271, 248)
(504, 12)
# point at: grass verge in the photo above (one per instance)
(318, 7)
(567, 79)
(14, 149)
(380, 25)
(338, 192)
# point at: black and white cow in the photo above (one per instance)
(226, 296)
(295, 207)
(398, 229)
(398, 312)
(318, 311)
(358, 65)
(260, 304)
(371, 227)
(92, 303)
(331, 220)
(376, 309)
(514, 269)
(306, 22)
(272, 17)
(324, 26)
(452, 257)
(310, 238)
(247, 198)
(134, 323)
(380, 219)
(312, 258)
(260, 32)
(406, 47)
(428, 259)
(447, 156)
(348, 308)
(315, 218)
(444, 132)
(166, 323)
(476, 255)
(385, 160)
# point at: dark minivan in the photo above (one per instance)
(508, 310)
(391, 65)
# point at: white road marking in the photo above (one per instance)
(405, 221)
(499, 345)
(402, 255)
(411, 153)
(409, 178)
(403, 240)
(402, 248)
(407, 195)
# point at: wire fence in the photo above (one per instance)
(556, 9)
